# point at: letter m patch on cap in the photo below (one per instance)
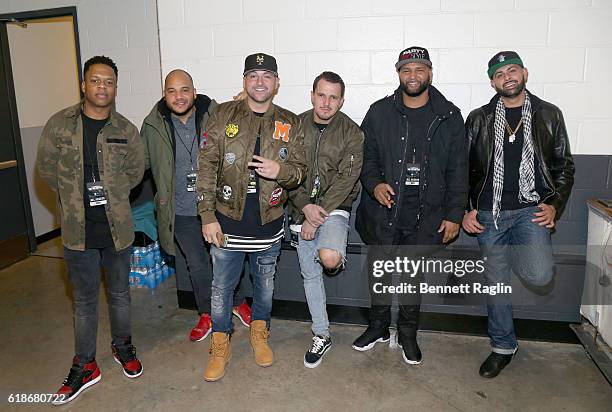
(281, 131)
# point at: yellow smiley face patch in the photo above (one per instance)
(231, 130)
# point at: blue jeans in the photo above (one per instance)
(84, 274)
(520, 246)
(227, 268)
(332, 234)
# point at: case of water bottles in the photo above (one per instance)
(150, 266)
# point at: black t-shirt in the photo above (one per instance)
(419, 120)
(513, 153)
(97, 228)
(321, 126)
(250, 225)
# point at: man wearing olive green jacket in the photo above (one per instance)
(321, 207)
(172, 134)
(92, 156)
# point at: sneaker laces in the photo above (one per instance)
(75, 374)
(127, 354)
(317, 344)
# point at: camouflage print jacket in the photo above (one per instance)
(121, 166)
(223, 173)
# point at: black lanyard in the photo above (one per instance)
(189, 150)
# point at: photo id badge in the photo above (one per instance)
(252, 187)
(316, 186)
(413, 170)
(191, 181)
(95, 193)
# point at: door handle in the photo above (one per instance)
(8, 164)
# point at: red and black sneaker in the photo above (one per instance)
(126, 357)
(81, 376)
(243, 311)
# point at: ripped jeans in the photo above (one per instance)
(227, 268)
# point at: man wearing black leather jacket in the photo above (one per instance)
(521, 175)
(414, 177)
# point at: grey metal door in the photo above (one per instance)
(16, 229)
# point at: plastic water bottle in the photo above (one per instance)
(149, 258)
(156, 252)
(158, 274)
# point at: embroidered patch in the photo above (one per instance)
(275, 196)
(227, 192)
(200, 198)
(281, 131)
(231, 130)
(283, 153)
(230, 158)
(204, 140)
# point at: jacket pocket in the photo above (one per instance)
(117, 155)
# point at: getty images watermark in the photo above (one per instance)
(416, 270)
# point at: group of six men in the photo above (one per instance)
(224, 173)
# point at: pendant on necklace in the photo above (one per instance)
(512, 138)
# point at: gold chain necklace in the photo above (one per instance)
(512, 134)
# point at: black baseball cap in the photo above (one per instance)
(260, 61)
(414, 54)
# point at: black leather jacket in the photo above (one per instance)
(443, 183)
(551, 147)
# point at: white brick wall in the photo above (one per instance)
(126, 31)
(566, 45)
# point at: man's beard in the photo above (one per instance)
(176, 113)
(424, 86)
(512, 93)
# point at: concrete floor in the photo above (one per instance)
(36, 325)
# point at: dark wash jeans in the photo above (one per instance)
(84, 272)
(518, 245)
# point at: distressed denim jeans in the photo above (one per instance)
(227, 268)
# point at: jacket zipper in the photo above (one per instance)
(402, 178)
(316, 168)
(351, 165)
(437, 119)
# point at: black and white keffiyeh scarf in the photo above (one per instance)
(527, 192)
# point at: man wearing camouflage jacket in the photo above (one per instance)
(92, 156)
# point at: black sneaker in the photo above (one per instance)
(371, 337)
(410, 349)
(320, 345)
(494, 364)
(81, 376)
(126, 357)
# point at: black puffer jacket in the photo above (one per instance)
(551, 147)
(443, 184)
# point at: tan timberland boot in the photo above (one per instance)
(219, 356)
(259, 341)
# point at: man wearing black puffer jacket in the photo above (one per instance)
(414, 177)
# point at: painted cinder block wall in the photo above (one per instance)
(566, 44)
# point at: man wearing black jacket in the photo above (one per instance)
(414, 177)
(521, 175)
